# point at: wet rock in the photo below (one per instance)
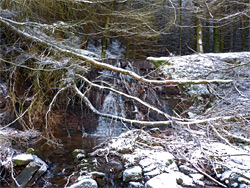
(135, 185)
(162, 181)
(33, 171)
(22, 159)
(79, 154)
(26, 175)
(116, 166)
(132, 174)
(86, 183)
(99, 177)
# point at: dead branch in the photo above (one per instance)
(208, 176)
(125, 120)
(127, 96)
(75, 53)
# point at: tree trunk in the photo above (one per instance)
(127, 50)
(216, 40)
(199, 40)
(180, 30)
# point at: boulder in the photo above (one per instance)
(33, 171)
(86, 183)
(132, 174)
(162, 181)
(26, 175)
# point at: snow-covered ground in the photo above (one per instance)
(187, 156)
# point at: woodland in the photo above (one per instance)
(174, 70)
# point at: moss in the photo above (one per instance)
(159, 63)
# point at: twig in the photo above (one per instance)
(208, 176)
(68, 179)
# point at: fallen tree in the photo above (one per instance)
(75, 71)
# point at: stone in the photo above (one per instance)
(26, 175)
(135, 185)
(115, 166)
(187, 170)
(162, 181)
(96, 174)
(183, 179)
(32, 151)
(145, 162)
(132, 174)
(23, 159)
(33, 171)
(198, 179)
(153, 173)
(85, 183)
(79, 154)
(149, 168)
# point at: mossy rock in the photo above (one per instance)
(23, 159)
(32, 151)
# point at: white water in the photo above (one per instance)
(113, 104)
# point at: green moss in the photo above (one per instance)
(159, 63)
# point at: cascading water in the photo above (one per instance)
(113, 104)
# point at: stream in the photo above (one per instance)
(60, 159)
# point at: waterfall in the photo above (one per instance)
(113, 104)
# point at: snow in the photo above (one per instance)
(86, 183)
(162, 181)
(24, 157)
(200, 42)
(132, 174)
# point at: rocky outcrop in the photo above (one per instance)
(34, 168)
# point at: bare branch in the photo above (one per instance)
(75, 53)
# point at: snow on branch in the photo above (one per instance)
(77, 54)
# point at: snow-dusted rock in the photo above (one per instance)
(187, 170)
(198, 179)
(132, 174)
(183, 179)
(86, 183)
(35, 167)
(235, 167)
(23, 159)
(152, 173)
(162, 181)
(79, 154)
(135, 185)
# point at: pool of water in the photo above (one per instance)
(59, 158)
